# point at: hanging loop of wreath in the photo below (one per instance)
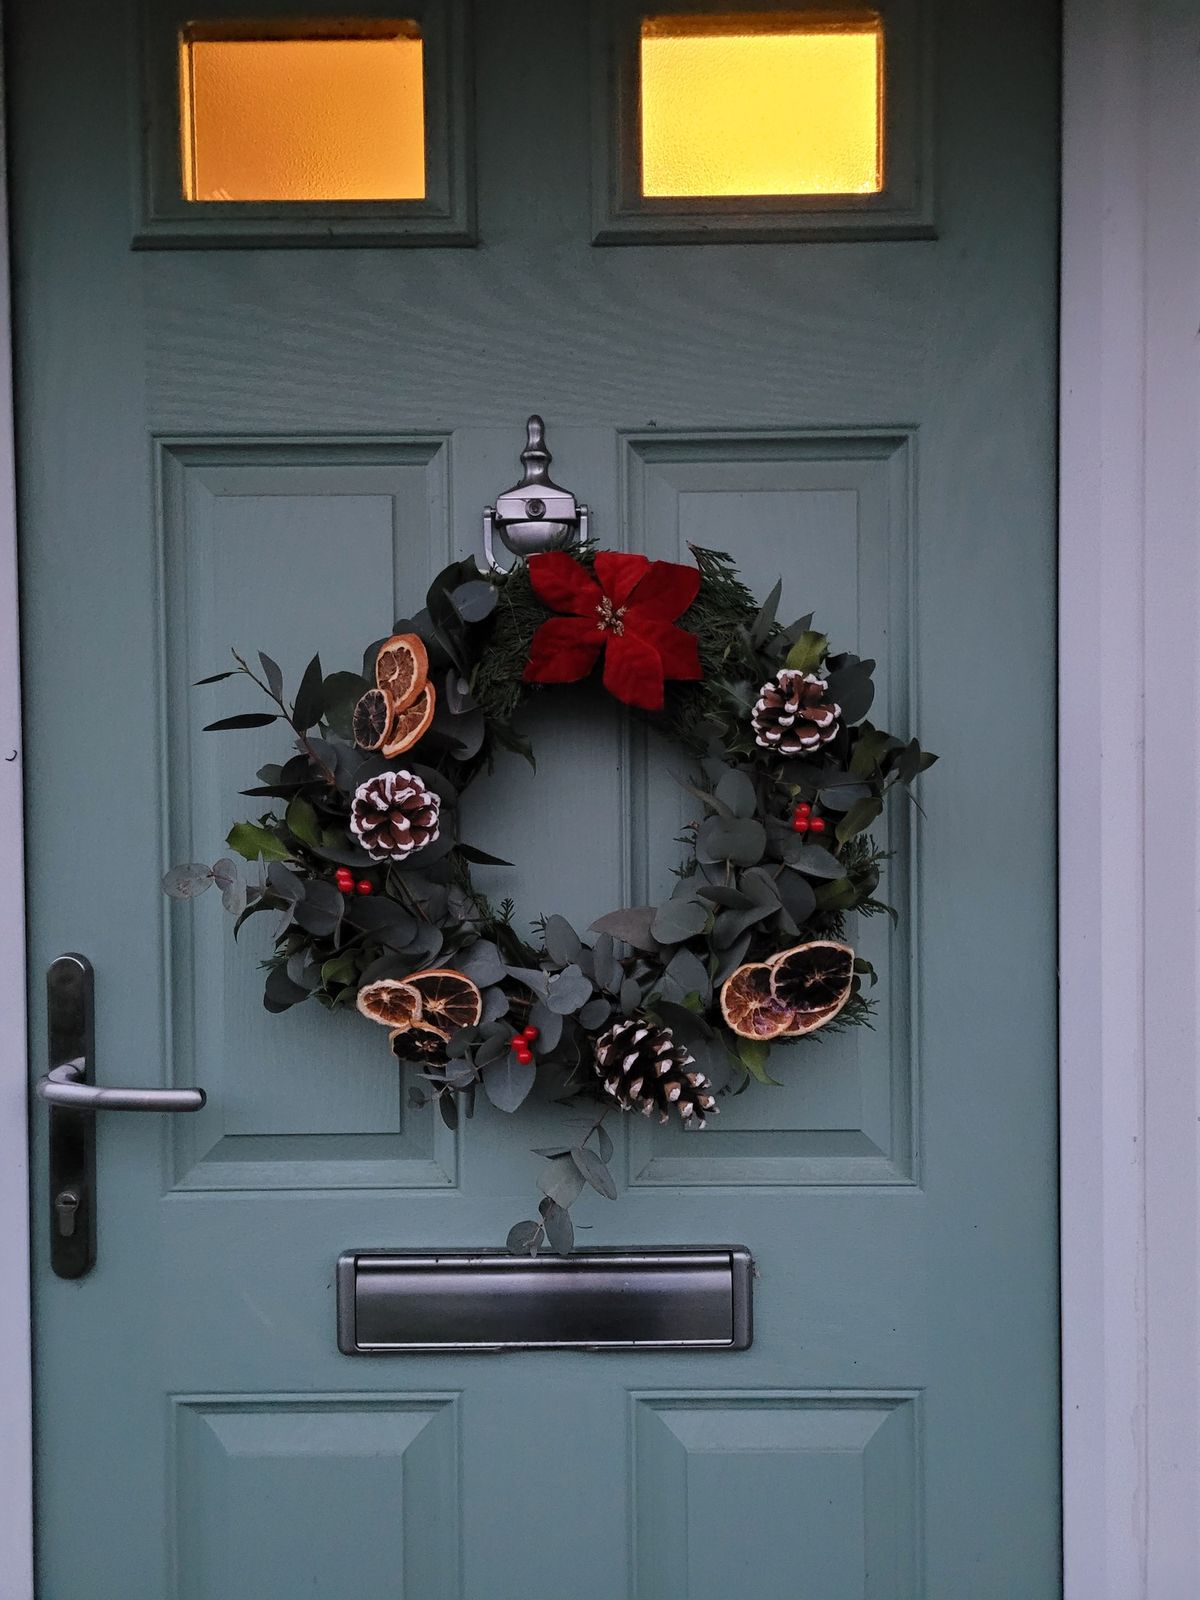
(658, 1010)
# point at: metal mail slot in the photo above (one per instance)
(395, 1303)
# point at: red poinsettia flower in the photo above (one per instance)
(625, 611)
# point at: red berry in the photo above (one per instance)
(344, 878)
(803, 809)
(517, 1042)
(524, 1055)
(363, 886)
(802, 824)
(817, 824)
(529, 1034)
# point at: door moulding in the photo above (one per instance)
(16, 1436)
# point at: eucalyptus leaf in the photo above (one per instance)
(560, 1233)
(244, 719)
(507, 1082)
(216, 677)
(731, 959)
(533, 978)
(284, 883)
(186, 882)
(725, 895)
(482, 963)
(606, 969)
(320, 911)
(677, 920)
(549, 1025)
(563, 944)
(568, 990)
(736, 791)
(631, 925)
(761, 627)
(596, 1013)
(853, 689)
(561, 1181)
(280, 993)
(840, 797)
(797, 897)
(273, 673)
(524, 1238)
(225, 871)
(474, 601)
(815, 861)
(340, 693)
(480, 858)
(309, 697)
(594, 1171)
(495, 1004)
(604, 1143)
(688, 975)
(741, 841)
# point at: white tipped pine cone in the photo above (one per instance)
(794, 713)
(643, 1069)
(393, 815)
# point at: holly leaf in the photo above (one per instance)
(859, 818)
(250, 841)
(808, 652)
(752, 1053)
(301, 819)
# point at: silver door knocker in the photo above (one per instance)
(534, 514)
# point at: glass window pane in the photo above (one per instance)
(313, 116)
(761, 105)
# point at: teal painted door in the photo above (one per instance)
(276, 448)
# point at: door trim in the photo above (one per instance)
(1129, 753)
(16, 1437)
(1129, 593)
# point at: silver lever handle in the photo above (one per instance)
(64, 1086)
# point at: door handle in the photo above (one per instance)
(65, 1085)
(74, 1098)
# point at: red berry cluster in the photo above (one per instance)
(347, 883)
(803, 820)
(521, 1043)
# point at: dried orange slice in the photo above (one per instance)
(813, 981)
(448, 998)
(410, 724)
(751, 1007)
(419, 1043)
(372, 719)
(390, 1001)
(401, 668)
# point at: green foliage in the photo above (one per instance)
(750, 885)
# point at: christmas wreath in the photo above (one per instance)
(660, 1009)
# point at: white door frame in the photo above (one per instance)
(1129, 758)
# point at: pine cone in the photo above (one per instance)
(644, 1069)
(393, 815)
(794, 713)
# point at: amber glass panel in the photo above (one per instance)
(761, 105)
(320, 117)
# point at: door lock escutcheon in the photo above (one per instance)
(74, 1098)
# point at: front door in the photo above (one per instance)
(263, 417)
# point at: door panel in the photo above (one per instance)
(276, 448)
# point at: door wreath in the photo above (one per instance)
(663, 1009)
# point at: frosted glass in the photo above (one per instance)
(318, 118)
(746, 105)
